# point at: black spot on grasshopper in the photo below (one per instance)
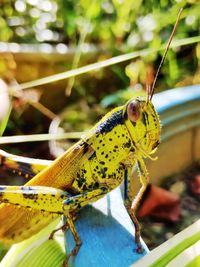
(84, 187)
(96, 185)
(86, 148)
(71, 192)
(24, 169)
(115, 119)
(103, 172)
(112, 175)
(104, 189)
(30, 196)
(128, 144)
(29, 193)
(145, 117)
(81, 181)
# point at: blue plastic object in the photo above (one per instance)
(179, 110)
(174, 97)
(107, 233)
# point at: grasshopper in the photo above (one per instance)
(90, 169)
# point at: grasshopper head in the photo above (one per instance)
(140, 117)
(143, 124)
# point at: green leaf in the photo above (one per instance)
(37, 251)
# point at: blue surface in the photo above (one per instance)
(170, 98)
(107, 234)
(179, 110)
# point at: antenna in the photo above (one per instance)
(165, 53)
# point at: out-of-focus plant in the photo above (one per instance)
(128, 23)
(117, 26)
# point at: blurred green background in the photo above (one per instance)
(112, 27)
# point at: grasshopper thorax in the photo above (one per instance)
(143, 125)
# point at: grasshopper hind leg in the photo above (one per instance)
(23, 166)
(69, 224)
(63, 228)
(134, 219)
(72, 204)
(132, 206)
(72, 228)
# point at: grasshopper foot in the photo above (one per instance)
(73, 253)
(65, 262)
(139, 249)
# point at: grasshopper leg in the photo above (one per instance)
(63, 228)
(73, 203)
(35, 197)
(137, 226)
(72, 228)
(132, 206)
(28, 167)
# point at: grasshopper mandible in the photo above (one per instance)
(90, 169)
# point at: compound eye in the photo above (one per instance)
(133, 110)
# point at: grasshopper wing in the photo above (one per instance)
(18, 223)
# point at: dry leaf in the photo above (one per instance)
(161, 204)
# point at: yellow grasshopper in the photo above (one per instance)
(90, 169)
